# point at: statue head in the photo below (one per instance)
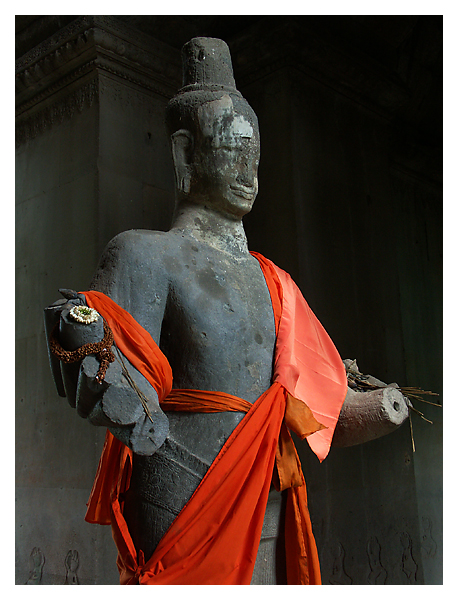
(214, 132)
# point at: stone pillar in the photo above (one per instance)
(93, 159)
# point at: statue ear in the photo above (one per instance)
(182, 152)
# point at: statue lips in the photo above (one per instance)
(247, 193)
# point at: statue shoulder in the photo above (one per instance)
(136, 241)
(127, 256)
(138, 246)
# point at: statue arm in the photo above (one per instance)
(367, 414)
(124, 402)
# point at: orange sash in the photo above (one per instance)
(306, 361)
(215, 538)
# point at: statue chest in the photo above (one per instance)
(218, 330)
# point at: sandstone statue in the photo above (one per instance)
(199, 357)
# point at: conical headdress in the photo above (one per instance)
(207, 66)
(207, 76)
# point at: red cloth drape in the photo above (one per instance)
(307, 363)
(215, 540)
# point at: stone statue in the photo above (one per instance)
(203, 298)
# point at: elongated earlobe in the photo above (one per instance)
(182, 150)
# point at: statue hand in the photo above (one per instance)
(121, 406)
(69, 300)
(66, 333)
(78, 299)
(52, 316)
(371, 408)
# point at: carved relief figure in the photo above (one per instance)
(199, 357)
(72, 563)
(428, 543)
(37, 559)
(408, 564)
(377, 574)
(339, 575)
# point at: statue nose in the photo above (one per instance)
(244, 178)
(247, 173)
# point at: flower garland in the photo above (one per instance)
(102, 350)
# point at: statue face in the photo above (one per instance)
(226, 158)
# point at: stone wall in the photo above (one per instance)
(90, 164)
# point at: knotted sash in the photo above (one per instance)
(214, 540)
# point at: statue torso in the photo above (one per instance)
(209, 312)
(212, 316)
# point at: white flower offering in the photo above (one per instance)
(84, 314)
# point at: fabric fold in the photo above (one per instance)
(307, 363)
(215, 538)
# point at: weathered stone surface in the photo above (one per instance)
(366, 416)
